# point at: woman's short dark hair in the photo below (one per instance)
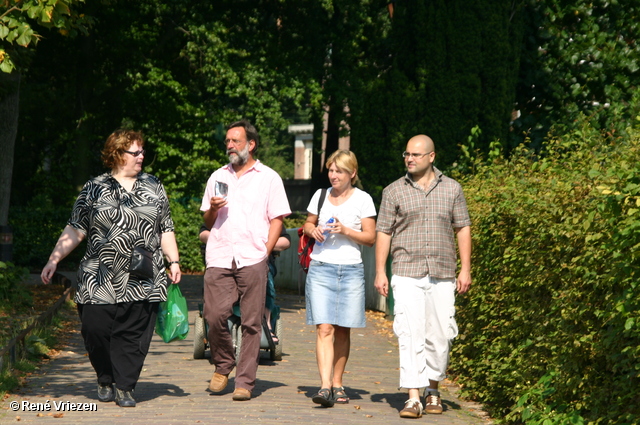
(118, 142)
(249, 130)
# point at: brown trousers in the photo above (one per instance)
(222, 288)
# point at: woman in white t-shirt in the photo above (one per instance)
(335, 282)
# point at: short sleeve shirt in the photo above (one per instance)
(339, 249)
(113, 222)
(421, 223)
(241, 229)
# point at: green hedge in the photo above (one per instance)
(550, 331)
(12, 292)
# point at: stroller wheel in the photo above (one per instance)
(236, 332)
(198, 337)
(276, 353)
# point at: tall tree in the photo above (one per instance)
(16, 35)
(9, 101)
(179, 71)
(443, 68)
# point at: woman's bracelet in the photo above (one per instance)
(173, 262)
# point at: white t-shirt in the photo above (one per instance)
(339, 249)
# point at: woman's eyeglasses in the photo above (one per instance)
(136, 153)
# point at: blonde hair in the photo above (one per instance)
(118, 142)
(346, 161)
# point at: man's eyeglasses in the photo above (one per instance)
(233, 141)
(136, 153)
(414, 155)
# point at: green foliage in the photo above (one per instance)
(550, 332)
(18, 17)
(187, 219)
(25, 366)
(176, 70)
(579, 57)
(36, 346)
(444, 68)
(40, 341)
(33, 243)
(12, 291)
(8, 382)
(294, 220)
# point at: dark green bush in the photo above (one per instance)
(295, 220)
(550, 332)
(187, 219)
(12, 291)
(36, 228)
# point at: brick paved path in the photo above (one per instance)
(173, 386)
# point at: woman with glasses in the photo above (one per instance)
(116, 212)
(335, 281)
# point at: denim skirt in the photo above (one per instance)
(335, 294)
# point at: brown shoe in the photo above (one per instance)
(218, 382)
(241, 394)
(412, 409)
(433, 403)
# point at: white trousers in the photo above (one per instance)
(425, 325)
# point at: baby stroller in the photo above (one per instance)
(267, 341)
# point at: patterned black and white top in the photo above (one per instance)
(114, 221)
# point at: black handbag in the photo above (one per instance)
(141, 263)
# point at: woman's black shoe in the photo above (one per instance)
(105, 392)
(125, 398)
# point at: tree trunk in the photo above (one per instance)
(9, 101)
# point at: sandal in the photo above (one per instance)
(339, 395)
(274, 338)
(323, 397)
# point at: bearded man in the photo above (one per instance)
(244, 204)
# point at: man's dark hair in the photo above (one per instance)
(250, 131)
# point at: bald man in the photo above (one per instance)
(419, 216)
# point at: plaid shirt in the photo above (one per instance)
(421, 223)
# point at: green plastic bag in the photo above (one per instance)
(173, 316)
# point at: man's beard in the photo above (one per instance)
(241, 157)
